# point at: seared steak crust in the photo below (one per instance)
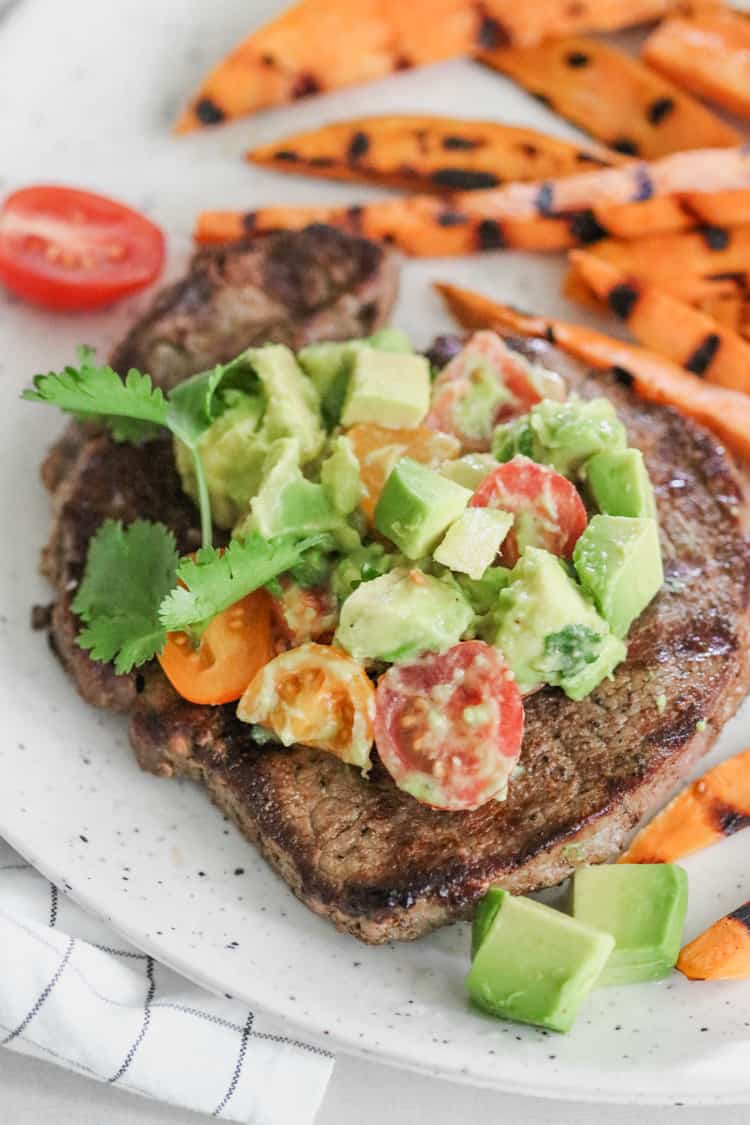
(291, 288)
(369, 857)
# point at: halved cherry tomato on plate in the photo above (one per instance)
(487, 383)
(318, 696)
(233, 647)
(70, 250)
(449, 725)
(378, 449)
(548, 511)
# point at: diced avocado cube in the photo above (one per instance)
(531, 963)
(292, 403)
(619, 483)
(401, 614)
(329, 365)
(469, 470)
(416, 507)
(287, 503)
(561, 434)
(472, 541)
(549, 631)
(618, 560)
(643, 906)
(339, 475)
(483, 592)
(388, 388)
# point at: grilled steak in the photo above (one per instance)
(366, 855)
(291, 288)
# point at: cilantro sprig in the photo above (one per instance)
(130, 598)
(129, 571)
(137, 411)
(213, 580)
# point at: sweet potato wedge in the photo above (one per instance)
(722, 952)
(667, 325)
(614, 97)
(709, 186)
(714, 806)
(728, 309)
(320, 45)
(654, 378)
(699, 265)
(430, 154)
(707, 52)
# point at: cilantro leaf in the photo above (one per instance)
(129, 570)
(216, 580)
(569, 651)
(133, 408)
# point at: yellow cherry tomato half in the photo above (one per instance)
(318, 696)
(232, 649)
(378, 449)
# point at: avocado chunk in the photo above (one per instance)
(533, 964)
(292, 403)
(561, 434)
(401, 614)
(232, 453)
(643, 906)
(482, 592)
(388, 388)
(469, 470)
(618, 560)
(549, 631)
(416, 507)
(329, 365)
(339, 475)
(287, 503)
(472, 541)
(360, 565)
(619, 483)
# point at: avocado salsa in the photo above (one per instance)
(410, 553)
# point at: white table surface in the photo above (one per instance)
(36, 1093)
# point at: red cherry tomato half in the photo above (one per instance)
(71, 250)
(549, 512)
(448, 726)
(486, 359)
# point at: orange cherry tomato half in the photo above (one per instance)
(548, 511)
(378, 449)
(449, 725)
(318, 696)
(69, 250)
(232, 649)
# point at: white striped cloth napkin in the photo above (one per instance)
(76, 994)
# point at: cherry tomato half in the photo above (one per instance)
(70, 250)
(318, 696)
(232, 649)
(449, 726)
(487, 383)
(304, 614)
(549, 512)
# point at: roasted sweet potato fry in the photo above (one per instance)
(709, 809)
(704, 186)
(722, 952)
(654, 378)
(728, 309)
(320, 45)
(430, 154)
(707, 52)
(614, 97)
(667, 325)
(698, 265)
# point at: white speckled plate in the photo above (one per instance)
(153, 856)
